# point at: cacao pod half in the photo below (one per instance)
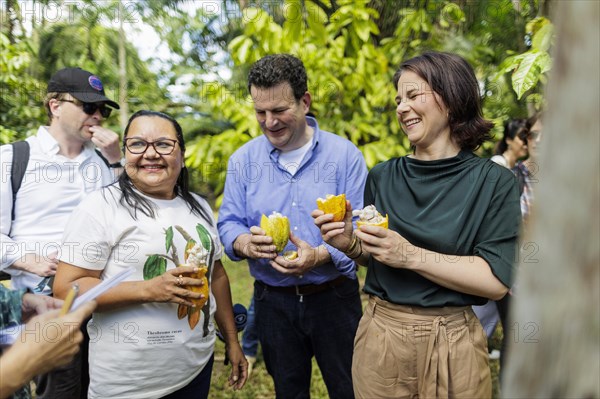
(277, 227)
(369, 216)
(335, 204)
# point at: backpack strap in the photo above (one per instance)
(17, 172)
(19, 166)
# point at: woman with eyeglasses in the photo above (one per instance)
(451, 241)
(153, 335)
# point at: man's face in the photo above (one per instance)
(69, 117)
(281, 116)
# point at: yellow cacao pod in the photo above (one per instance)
(277, 227)
(335, 204)
(203, 289)
(193, 314)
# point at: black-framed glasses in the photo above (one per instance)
(138, 146)
(91, 108)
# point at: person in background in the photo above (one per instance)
(30, 354)
(513, 145)
(526, 170)
(309, 306)
(452, 238)
(163, 316)
(63, 168)
(509, 149)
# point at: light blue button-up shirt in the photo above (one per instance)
(257, 184)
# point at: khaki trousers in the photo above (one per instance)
(415, 352)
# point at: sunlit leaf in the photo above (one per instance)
(542, 39)
(527, 74)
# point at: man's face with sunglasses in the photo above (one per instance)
(91, 108)
(75, 118)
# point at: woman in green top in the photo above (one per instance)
(451, 242)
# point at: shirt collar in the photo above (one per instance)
(312, 122)
(50, 146)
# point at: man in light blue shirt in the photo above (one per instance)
(309, 306)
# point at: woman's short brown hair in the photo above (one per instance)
(453, 79)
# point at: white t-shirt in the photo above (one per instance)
(500, 160)
(139, 351)
(291, 160)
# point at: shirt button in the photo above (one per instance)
(295, 227)
(293, 204)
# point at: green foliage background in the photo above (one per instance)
(350, 48)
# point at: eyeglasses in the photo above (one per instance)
(139, 146)
(91, 108)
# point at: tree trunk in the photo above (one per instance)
(556, 321)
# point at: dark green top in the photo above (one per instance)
(463, 205)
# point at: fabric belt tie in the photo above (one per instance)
(438, 350)
(435, 382)
(306, 289)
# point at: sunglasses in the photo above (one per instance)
(91, 108)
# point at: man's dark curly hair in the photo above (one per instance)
(272, 70)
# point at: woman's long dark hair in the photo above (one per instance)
(136, 202)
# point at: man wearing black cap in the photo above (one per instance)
(65, 163)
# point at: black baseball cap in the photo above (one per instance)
(81, 84)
